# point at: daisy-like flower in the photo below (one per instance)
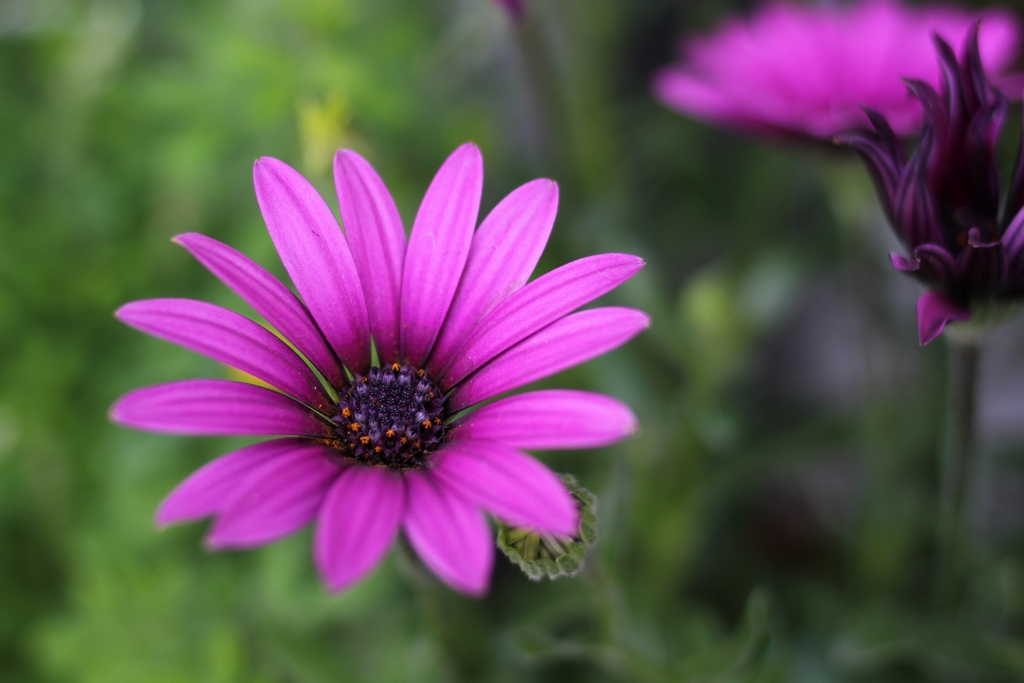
(515, 8)
(370, 450)
(806, 70)
(944, 202)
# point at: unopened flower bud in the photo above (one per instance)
(540, 553)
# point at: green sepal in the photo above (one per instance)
(553, 555)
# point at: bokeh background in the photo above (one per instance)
(773, 521)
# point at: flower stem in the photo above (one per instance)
(956, 468)
(543, 100)
(429, 598)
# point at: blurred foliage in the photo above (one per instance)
(774, 519)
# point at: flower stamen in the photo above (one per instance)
(392, 417)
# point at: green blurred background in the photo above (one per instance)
(774, 519)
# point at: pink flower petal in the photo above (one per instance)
(572, 340)
(683, 92)
(377, 238)
(537, 305)
(357, 523)
(504, 252)
(270, 298)
(934, 311)
(557, 418)
(207, 490)
(450, 535)
(229, 338)
(509, 484)
(438, 248)
(215, 407)
(277, 499)
(317, 258)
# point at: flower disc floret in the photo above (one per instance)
(393, 417)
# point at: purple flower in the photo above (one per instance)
(369, 449)
(944, 202)
(791, 70)
(515, 8)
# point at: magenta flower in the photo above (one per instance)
(515, 8)
(792, 70)
(944, 202)
(369, 450)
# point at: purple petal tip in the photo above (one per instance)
(632, 425)
(215, 542)
(163, 518)
(934, 312)
(516, 9)
(116, 413)
(344, 155)
(211, 544)
(268, 164)
(902, 263)
(470, 149)
(123, 312)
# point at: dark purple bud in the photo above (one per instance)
(980, 265)
(975, 83)
(952, 85)
(938, 266)
(1015, 194)
(903, 264)
(913, 209)
(944, 201)
(934, 312)
(883, 154)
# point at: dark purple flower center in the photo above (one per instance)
(393, 417)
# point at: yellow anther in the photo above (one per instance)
(365, 440)
(390, 433)
(354, 426)
(346, 413)
(396, 367)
